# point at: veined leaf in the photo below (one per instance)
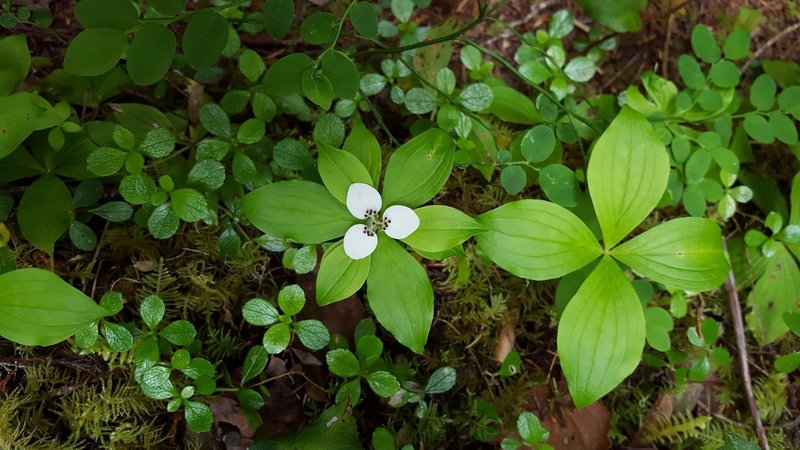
(339, 275)
(364, 146)
(400, 294)
(442, 228)
(601, 334)
(627, 175)
(684, 253)
(302, 211)
(536, 239)
(774, 294)
(418, 169)
(339, 169)
(39, 308)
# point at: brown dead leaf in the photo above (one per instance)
(506, 338)
(571, 428)
(227, 410)
(145, 266)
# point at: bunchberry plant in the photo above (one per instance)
(398, 290)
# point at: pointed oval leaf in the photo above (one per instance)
(302, 211)
(684, 253)
(536, 239)
(339, 169)
(151, 53)
(362, 144)
(204, 38)
(773, 295)
(601, 334)
(442, 228)
(339, 275)
(627, 174)
(400, 294)
(418, 169)
(95, 51)
(42, 227)
(39, 308)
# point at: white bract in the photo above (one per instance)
(364, 202)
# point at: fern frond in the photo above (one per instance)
(675, 429)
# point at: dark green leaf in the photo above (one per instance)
(704, 44)
(118, 14)
(199, 417)
(163, 222)
(342, 362)
(312, 333)
(215, 120)
(151, 53)
(278, 17)
(319, 28)
(180, 332)
(364, 18)
(95, 51)
(254, 363)
(118, 337)
(204, 38)
(260, 312)
(157, 143)
(152, 311)
(342, 73)
(82, 236)
(40, 226)
(285, 77)
(441, 381)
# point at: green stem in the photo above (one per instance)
(338, 32)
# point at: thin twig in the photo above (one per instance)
(772, 41)
(741, 350)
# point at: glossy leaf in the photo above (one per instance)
(536, 239)
(254, 363)
(601, 334)
(627, 175)
(39, 308)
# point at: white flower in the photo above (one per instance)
(364, 202)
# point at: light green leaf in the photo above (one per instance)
(291, 299)
(442, 228)
(95, 51)
(364, 146)
(684, 253)
(724, 74)
(601, 334)
(15, 61)
(420, 100)
(513, 106)
(773, 295)
(39, 308)
(621, 15)
(339, 275)
(561, 24)
(762, 92)
(157, 143)
(580, 69)
(152, 311)
(118, 337)
(189, 205)
(400, 294)
(302, 211)
(627, 175)
(312, 333)
(260, 312)
(204, 39)
(339, 169)
(254, 363)
(383, 383)
(441, 381)
(251, 131)
(536, 239)
(690, 72)
(155, 383)
(418, 169)
(560, 185)
(43, 226)
(329, 130)
(737, 44)
(277, 338)
(659, 324)
(151, 52)
(475, 97)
